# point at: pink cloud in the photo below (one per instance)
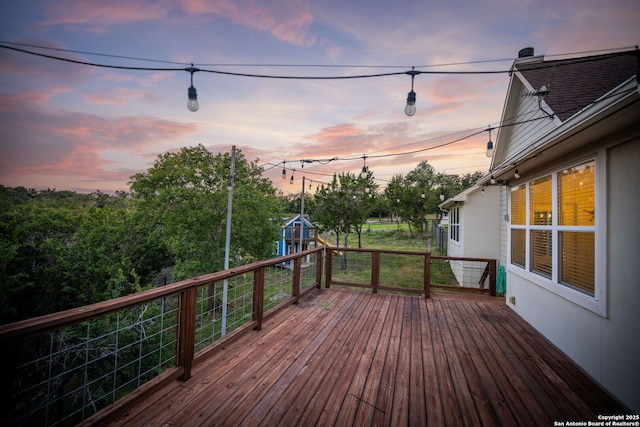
(97, 15)
(114, 96)
(40, 146)
(287, 20)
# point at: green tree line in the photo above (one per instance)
(61, 249)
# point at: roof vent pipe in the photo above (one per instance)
(526, 52)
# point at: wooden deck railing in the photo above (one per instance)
(91, 342)
(368, 268)
(62, 368)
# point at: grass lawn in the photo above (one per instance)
(394, 236)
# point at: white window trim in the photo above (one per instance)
(598, 302)
(457, 224)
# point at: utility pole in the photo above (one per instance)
(227, 244)
(302, 214)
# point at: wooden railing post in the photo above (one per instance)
(427, 275)
(186, 331)
(319, 260)
(492, 277)
(328, 267)
(297, 271)
(375, 271)
(258, 297)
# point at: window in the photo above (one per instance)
(454, 224)
(518, 218)
(553, 228)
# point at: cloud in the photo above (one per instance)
(97, 15)
(63, 145)
(288, 20)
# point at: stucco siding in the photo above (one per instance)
(607, 348)
(504, 224)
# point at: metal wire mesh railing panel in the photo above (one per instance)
(68, 374)
(441, 273)
(402, 271)
(209, 308)
(351, 267)
(278, 282)
(470, 274)
(308, 271)
(239, 301)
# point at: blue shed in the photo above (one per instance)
(289, 242)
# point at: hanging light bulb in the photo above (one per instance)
(192, 103)
(493, 180)
(291, 180)
(365, 170)
(490, 145)
(410, 108)
(441, 197)
(284, 171)
(516, 175)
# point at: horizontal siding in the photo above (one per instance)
(523, 135)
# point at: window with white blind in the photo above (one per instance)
(553, 228)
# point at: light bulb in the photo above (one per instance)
(284, 173)
(192, 104)
(410, 109)
(516, 175)
(441, 197)
(489, 149)
(493, 180)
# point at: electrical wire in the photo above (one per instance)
(289, 77)
(321, 161)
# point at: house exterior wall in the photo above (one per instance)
(605, 345)
(522, 135)
(479, 233)
(480, 224)
(504, 226)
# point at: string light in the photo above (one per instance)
(410, 108)
(365, 170)
(284, 170)
(490, 144)
(192, 103)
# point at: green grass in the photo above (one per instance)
(394, 236)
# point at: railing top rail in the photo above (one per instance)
(459, 258)
(88, 312)
(386, 251)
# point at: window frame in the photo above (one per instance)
(454, 224)
(596, 302)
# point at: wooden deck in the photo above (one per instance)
(345, 358)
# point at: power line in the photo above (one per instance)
(482, 61)
(272, 76)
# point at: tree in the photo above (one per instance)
(184, 199)
(345, 204)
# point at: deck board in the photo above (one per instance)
(344, 357)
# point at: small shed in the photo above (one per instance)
(297, 235)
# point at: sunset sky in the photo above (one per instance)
(82, 128)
